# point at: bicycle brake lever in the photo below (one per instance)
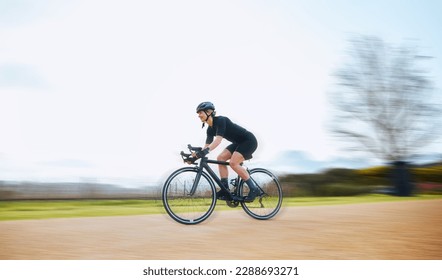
(187, 158)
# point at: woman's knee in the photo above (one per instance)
(224, 156)
(236, 161)
(235, 166)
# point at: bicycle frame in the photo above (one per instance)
(204, 165)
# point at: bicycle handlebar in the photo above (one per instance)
(188, 157)
(194, 149)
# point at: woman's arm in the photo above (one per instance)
(212, 146)
(215, 143)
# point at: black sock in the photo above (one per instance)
(225, 182)
(251, 184)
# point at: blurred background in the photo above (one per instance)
(97, 98)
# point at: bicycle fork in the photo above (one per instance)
(195, 183)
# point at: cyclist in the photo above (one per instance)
(243, 145)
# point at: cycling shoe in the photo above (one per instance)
(252, 195)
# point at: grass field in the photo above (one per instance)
(26, 210)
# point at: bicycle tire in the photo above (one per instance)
(268, 204)
(180, 205)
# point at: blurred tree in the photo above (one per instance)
(383, 101)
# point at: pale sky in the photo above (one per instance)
(107, 90)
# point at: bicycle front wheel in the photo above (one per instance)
(186, 203)
(268, 203)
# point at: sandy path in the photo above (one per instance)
(399, 230)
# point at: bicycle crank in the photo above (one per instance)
(232, 203)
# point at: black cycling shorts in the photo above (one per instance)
(246, 148)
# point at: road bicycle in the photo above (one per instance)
(189, 193)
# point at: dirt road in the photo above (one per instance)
(398, 230)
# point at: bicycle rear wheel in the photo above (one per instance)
(184, 206)
(268, 203)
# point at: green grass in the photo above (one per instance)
(26, 210)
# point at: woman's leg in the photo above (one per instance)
(223, 170)
(224, 174)
(235, 162)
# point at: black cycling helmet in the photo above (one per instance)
(205, 106)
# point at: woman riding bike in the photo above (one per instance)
(243, 145)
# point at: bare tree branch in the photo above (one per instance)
(383, 102)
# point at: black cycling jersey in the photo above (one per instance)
(243, 141)
(223, 126)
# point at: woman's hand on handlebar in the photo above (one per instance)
(196, 153)
(201, 153)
